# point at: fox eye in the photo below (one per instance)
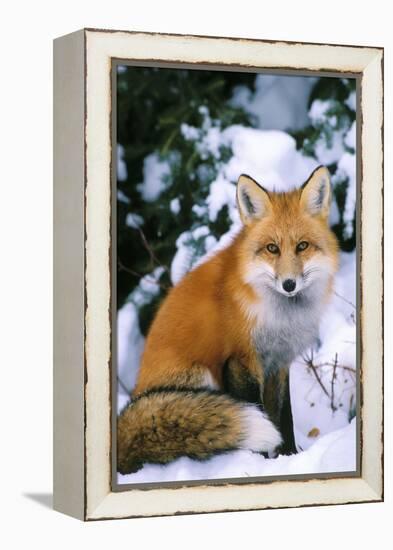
(302, 246)
(273, 248)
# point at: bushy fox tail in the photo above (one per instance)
(164, 424)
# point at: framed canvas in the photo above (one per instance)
(218, 272)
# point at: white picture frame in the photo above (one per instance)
(83, 237)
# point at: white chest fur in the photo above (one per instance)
(286, 327)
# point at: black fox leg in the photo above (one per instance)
(277, 402)
(270, 393)
(241, 383)
(286, 422)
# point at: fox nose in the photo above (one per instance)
(289, 285)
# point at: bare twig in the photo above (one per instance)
(327, 363)
(332, 382)
(122, 267)
(338, 366)
(330, 393)
(122, 386)
(149, 279)
(150, 251)
(344, 299)
(309, 363)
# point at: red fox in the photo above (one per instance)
(214, 372)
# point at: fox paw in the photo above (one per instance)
(260, 434)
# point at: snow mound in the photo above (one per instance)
(155, 177)
(269, 156)
(278, 102)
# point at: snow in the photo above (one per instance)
(222, 193)
(147, 288)
(203, 110)
(122, 197)
(328, 153)
(201, 231)
(334, 216)
(350, 138)
(279, 102)
(189, 133)
(121, 165)
(223, 242)
(199, 210)
(155, 177)
(269, 156)
(130, 343)
(185, 257)
(318, 112)
(344, 283)
(351, 101)
(149, 283)
(346, 170)
(211, 143)
(210, 243)
(207, 138)
(175, 206)
(134, 220)
(329, 148)
(182, 260)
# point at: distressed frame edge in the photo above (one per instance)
(375, 495)
(231, 38)
(360, 492)
(69, 277)
(372, 270)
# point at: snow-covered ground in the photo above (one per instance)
(335, 452)
(323, 381)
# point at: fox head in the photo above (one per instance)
(288, 247)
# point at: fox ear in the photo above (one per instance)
(316, 193)
(252, 200)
